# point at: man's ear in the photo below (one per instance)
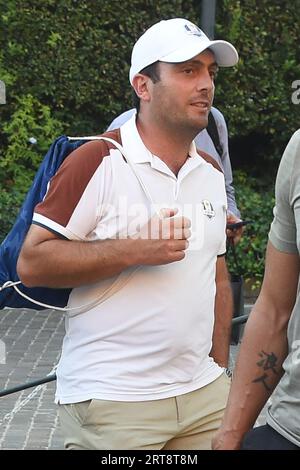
(140, 84)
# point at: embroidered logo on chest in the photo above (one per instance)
(208, 209)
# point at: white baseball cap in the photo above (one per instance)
(177, 40)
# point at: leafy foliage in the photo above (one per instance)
(74, 56)
(256, 203)
(19, 162)
(256, 96)
(20, 159)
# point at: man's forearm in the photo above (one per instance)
(63, 263)
(46, 260)
(256, 374)
(222, 326)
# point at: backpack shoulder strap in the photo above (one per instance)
(213, 133)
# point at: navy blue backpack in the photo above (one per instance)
(11, 246)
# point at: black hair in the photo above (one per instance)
(152, 71)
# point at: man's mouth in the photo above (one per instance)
(205, 105)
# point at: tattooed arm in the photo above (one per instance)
(263, 350)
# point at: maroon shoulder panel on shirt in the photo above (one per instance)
(209, 159)
(74, 174)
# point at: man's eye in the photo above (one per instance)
(188, 71)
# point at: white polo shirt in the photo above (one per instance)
(151, 336)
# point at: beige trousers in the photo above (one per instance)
(184, 422)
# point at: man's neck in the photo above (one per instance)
(169, 145)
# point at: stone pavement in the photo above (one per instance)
(28, 419)
(30, 344)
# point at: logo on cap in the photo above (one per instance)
(193, 29)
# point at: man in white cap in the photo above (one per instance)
(142, 229)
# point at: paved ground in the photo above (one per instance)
(30, 344)
(28, 419)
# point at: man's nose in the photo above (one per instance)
(206, 82)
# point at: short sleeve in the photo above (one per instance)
(283, 232)
(71, 205)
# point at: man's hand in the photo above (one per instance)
(235, 234)
(163, 239)
(223, 440)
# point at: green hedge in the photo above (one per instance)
(256, 96)
(256, 202)
(74, 56)
(20, 159)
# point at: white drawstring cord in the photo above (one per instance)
(14, 285)
(81, 308)
(9, 284)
